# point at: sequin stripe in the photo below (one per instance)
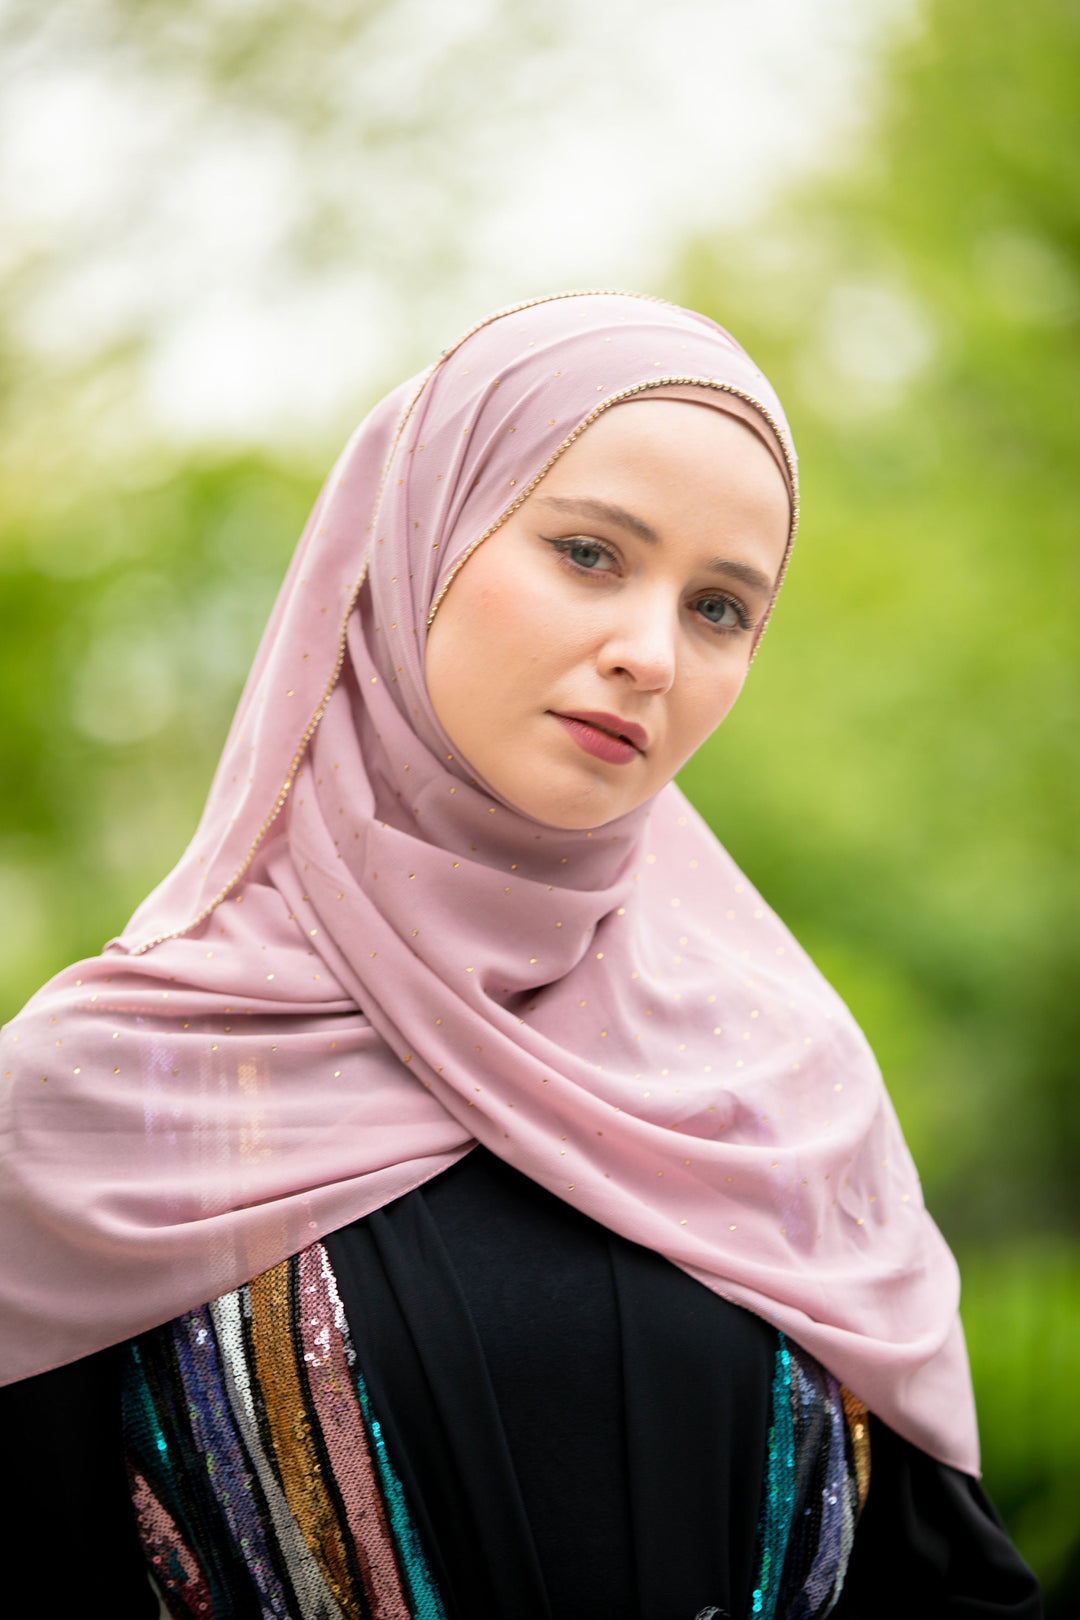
(173, 1563)
(276, 1372)
(322, 1327)
(172, 1462)
(182, 1479)
(425, 1600)
(230, 1478)
(814, 1441)
(809, 1593)
(303, 1577)
(166, 1530)
(258, 1400)
(774, 1525)
(841, 1498)
(355, 1602)
(855, 1412)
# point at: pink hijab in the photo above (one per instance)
(366, 962)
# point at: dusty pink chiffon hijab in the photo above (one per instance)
(366, 962)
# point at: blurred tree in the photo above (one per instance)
(135, 576)
(335, 151)
(130, 618)
(902, 775)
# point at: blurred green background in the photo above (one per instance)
(900, 777)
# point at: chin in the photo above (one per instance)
(574, 821)
(582, 811)
(560, 793)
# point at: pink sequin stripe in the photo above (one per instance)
(174, 1565)
(338, 1411)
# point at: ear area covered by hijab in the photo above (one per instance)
(366, 962)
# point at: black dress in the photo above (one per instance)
(579, 1429)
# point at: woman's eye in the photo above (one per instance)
(587, 555)
(722, 612)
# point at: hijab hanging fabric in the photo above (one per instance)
(366, 962)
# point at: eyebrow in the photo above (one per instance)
(607, 512)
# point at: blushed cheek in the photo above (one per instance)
(497, 654)
(494, 625)
(531, 622)
(510, 614)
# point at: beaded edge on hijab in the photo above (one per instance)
(320, 710)
(618, 399)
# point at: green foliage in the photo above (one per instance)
(131, 617)
(901, 775)
(1022, 1315)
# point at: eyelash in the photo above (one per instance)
(565, 547)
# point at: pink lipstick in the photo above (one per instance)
(605, 736)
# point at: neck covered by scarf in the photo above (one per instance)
(366, 962)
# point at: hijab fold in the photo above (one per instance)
(366, 961)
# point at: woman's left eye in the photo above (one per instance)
(723, 612)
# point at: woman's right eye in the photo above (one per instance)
(588, 555)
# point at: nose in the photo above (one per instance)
(640, 647)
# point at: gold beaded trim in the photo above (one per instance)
(551, 298)
(617, 399)
(312, 726)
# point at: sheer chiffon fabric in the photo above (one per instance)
(366, 961)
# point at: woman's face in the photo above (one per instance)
(587, 649)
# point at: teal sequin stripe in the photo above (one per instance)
(816, 1475)
(427, 1603)
(779, 1490)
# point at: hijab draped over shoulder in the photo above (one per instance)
(366, 962)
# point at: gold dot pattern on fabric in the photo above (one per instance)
(715, 917)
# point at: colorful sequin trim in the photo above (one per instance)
(263, 1487)
(258, 1470)
(817, 1474)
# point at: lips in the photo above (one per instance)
(628, 730)
(605, 736)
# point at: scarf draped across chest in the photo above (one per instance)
(366, 961)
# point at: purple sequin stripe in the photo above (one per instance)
(839, 1499)
(213, 1429)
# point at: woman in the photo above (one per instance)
(557, 1230)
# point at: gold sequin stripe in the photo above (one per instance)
(312, 726)
(300, 1467)
(855, 1412)
(302, 1568)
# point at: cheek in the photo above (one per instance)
(706, 699)
(497, 635)
(513, 618)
